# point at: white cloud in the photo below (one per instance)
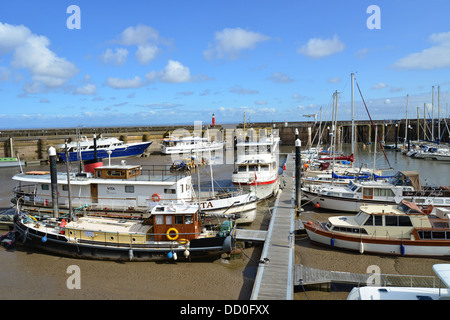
(173, 72)
(117, 57)
(279, 77)
(89, 89)
(118, 83)
(380, 85)
(139, 35)
(229, 42)
(334, 80)
(145, 38)
(146, 53)
(31, 52)
(438, 56)
(319, 48)
(241, 90)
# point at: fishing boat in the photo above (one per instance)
(257, 164)
(442, 270)
(171, 232)
(85, 149)
(403, 230)
(404, 185)
(123, 190)
(188, 145)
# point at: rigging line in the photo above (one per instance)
(373, 126)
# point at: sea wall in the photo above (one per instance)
(32, 144)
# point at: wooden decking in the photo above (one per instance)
(274, 278)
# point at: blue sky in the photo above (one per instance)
(175, 62)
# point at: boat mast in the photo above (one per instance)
(432, 113)
(68, 183)
(439, 116)
(406, 120)
(353, 118)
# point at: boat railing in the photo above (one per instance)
(400, 280)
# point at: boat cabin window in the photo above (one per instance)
(434, 235)
(178, 219)
(367, 193)
(45, 187)
(397, 221)
(242, 168)
(159, 219)
(129, 189)
(170, 191)
(168, 219)
(383, 193)
(374, 220)
(253, 167)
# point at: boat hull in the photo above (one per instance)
(130, 150)
(199, 249)
(341, 203)
(396, 247)
(262, 190)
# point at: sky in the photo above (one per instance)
(129, 63)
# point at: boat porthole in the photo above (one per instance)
(133, 239)
(111, 238)
(70, 232)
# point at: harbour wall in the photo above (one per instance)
(32, 145)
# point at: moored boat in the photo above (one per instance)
(257, 164)
(442, 270)
(404, 185)
(403, 230)
(88, 149)
(170, 232)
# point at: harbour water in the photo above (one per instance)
(29, 274)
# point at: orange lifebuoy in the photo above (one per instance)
(156, 197)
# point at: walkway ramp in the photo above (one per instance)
(274, 278)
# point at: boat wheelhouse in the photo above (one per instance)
(404, 229)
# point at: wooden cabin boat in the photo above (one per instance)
(170, 232)
(404, 230)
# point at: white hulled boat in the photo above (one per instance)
(124, 190)
(407, 293)
(188, 145)
(404, 230)
(257, 164)
(404, 185)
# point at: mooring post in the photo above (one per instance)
(54, 181)
(298, 165)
